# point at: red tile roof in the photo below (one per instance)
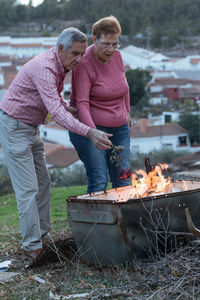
(20, 61)
(60, 156)
(173, 59)
(158, 130)
(5, 58)
(4, 43)
(195, 61)
(171, 81)
(49, 46)
(7, 69)
(9, 74)
(167, 81)
(27, 45)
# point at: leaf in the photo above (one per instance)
(120, 148)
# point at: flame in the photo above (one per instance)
(154, 182)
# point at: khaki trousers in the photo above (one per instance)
(24, 155)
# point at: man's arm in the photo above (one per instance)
(46, 85)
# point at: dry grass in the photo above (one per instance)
(173, 276)
(165, 275)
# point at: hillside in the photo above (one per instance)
(150, 23)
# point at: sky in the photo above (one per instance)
(35, 2)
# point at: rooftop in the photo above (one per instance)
(158, 130)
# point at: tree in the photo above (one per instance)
(21, 12)
(171, 22)
(137, 81)
(156, 39)
(192, 124)
(7, 13)
(48, 9)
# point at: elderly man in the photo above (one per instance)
(35, 91)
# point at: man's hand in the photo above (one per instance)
(100, 139)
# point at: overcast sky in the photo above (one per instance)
(35, 2)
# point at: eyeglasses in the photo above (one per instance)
(108, 45)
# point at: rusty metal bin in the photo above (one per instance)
(111, 228)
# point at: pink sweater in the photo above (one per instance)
(100, 91)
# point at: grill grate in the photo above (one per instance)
(54, 251)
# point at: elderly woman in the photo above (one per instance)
(101, 95)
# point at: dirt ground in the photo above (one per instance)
(62, 271)
(175, 275)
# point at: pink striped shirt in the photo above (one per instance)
(100, 91)
(35, 91)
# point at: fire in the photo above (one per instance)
(154, 182)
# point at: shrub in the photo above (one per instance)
(5, 182)
(162, 156)
(68, 176)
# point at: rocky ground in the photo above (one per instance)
(186, 167)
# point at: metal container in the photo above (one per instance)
(110, 227)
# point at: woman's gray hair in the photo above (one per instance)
(70, 35)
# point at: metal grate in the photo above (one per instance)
(53, 251)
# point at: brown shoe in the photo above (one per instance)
(34, 254)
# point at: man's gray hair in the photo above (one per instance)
(70, 35)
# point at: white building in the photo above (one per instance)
(150, 138)
(133, 56)
(55, 133)
(158, 100)
(141, 58)
(1, 78)
(25, 47)
(5, 61)
(144, 140)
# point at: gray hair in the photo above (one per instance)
(70, 35)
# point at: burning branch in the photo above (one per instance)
(153, 182)
(148, 166)
(147, 183)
